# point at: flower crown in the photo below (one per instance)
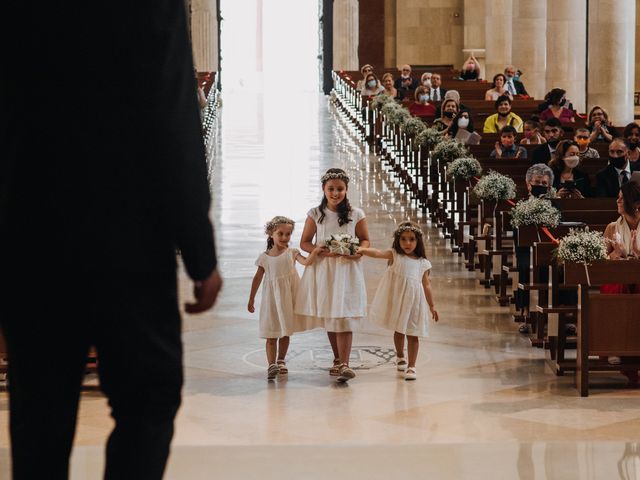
(335, 176)
(272, 224)
(407, 228)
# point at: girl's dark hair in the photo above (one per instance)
(534, 123)
(344, 207)
(453, 131)
(630, 197)
(420, 251)
(498, 75)
(554, 96)
(557, 160)
(630, 128)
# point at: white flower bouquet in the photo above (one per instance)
(343, 244)
(582, 246)
(535, 211)
(448, 150)
(464, 168)
(413, 126)
(428, 138)
(495, 186)
(380, 100)
(396, 114)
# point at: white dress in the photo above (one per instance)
(332, 293)
(279, 286)
(399, 303)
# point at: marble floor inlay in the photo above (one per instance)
(484, 404)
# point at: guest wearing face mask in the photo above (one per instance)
(365, 70)
(454, 95)
(421, 107)
(372, 86)
(599, 125)
(507, 147)
(569, 179)
(631, 135)
(470, 69)
(405, 82)
(532, 135)
(448, 119)
(582, 139)
(425, 80)
(503, 117)
(618, 172)
(463, 126)
(552, 132)
(557, 100)
(513, 85)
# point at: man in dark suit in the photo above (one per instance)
(513, 86)
(613, 176)
(406, 83)
(102, 180)
(437, 91)
(553, 133)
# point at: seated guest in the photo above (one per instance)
(570, 180)
(454, 95)
(421, 107)
(582, 139)
(389, 89)
(618, 172)
(556, 99)
(532, 133)
(437, 92)
(507, 147)
(425, 80)
(503, 117)
(498, 89)
(470, 69)
(405, 82)
(599, 125)
(513, 85)
(372, 86)
(463, 123)
(364, 70)
(552, 132)
(448, 118)
(631, 135)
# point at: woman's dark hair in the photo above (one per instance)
(366, 79)
(453, 131)
(554, 96)
(500, 99)
(630, 197)
(557, 162)
(604, 114)
(630, 128)
(509, 130)
(534, 124)
(499, 75)
(420, 251)
(344, 207)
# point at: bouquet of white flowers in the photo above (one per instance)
(380, 100)
(535, 211)
(582, 246)
(413, 126)
(448, 150)
(343, 244)
(495, 186)
(464, 168)
(429, 138)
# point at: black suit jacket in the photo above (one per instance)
(520, 90)
(607, 183)
(398, 84)
(106, 170)
(541, 154)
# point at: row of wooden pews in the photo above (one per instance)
(480, 231)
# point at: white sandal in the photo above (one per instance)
(410, 374)
(401, 364)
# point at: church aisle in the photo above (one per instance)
(483, 402)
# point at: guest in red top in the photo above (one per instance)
(557, 100)
(421, 107)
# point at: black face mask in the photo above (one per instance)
(449, 114)
(618, 162)
(563, 102)
(504, 114)
(632, 145)
(538, 190)
(553, 143)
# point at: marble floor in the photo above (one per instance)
(484, 404)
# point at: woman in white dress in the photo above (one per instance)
(499, 89)
(403, 301)
(332, 291)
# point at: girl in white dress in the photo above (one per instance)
(332, 291)
(277, 266)
(403, 300)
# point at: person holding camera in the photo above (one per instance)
(570, 180)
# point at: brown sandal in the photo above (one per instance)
(282, 366)
(334, 371)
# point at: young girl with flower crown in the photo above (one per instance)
(277, 266)
(332, 291)
(404, 299)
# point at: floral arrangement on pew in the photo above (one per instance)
(428, 138)
(396, 114)
(342, 244)
(413, 126)
(448, 149)
(380, 101)
(582, 246)
(464, 169)
(495, 186)
(535, 211)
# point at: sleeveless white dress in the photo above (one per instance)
(332, 292)
(399, 303)
(279, 286)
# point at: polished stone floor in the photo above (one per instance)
(484, 405)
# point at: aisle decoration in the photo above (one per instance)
(447, 150)
(380, 100)
(464, 169)
(582, 246)
(495, 186)
(535, 211)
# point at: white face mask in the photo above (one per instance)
(572, 162)
(427, 83)
(463, 122)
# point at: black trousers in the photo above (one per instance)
(49, 324)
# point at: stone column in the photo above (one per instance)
(345, 35)
(474, 37)
(498, 38)
(612, 38)
(204, 35)
(529, 51)
(566, 49)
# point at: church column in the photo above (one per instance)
(204, 34)
(498, 39)
(474, 37)
(529, 51)
(345, 35)
(612, 38)
(566, 49)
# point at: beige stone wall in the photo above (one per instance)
(204, 35)
(390, 34)
(429, 32)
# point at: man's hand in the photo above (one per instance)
(205, 293)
